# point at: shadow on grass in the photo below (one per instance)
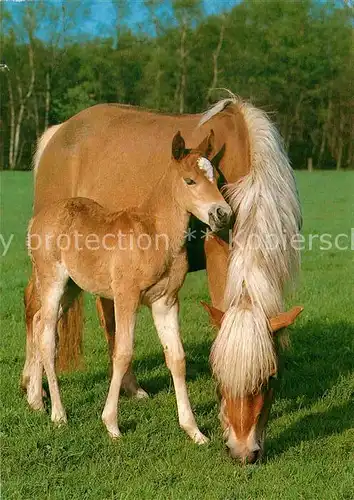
(197, 364)
(151, 370)
(311, 427)
(320, 355)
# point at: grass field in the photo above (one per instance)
(310, 435)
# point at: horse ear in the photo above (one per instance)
(206, 147)
(215, 314)
(215, 161)
(178, 147)
(285, 319)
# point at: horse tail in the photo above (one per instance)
(70, 326)
(41, 144)
(70, 329)
(263, 257)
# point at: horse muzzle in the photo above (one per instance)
(219, 216)
(249, 458)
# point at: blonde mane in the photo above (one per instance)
(263, 258)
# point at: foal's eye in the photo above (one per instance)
(189, 181)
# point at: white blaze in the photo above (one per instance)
(204, 164)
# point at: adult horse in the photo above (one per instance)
(105, 153)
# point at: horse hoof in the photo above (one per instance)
(114, 434)
(37, 407)
(59, 419)
(199, 438)
(36, 404)
(111, 426)
(141, 394)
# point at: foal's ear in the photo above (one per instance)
(179, 150)
(215, 314)
(206, 147)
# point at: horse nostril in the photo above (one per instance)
(220, 212)
(219, 217)
(253, 457)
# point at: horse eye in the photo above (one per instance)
(189, 181)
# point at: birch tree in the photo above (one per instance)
(215, 59)
(20, 89)
(187, 13)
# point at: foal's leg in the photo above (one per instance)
(125, 306)
(166, 322)
(105, 308)
(32, 305)
(50, 298)
(34, 383)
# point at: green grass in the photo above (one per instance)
(310, 435)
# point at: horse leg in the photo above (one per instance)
(51, 295)
(34, 372)
(105, 308)
(34, 382)
(32, 305)
(125, 307)
(216, 254)
(166, 321)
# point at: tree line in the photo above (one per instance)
(295, 60)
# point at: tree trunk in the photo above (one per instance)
(340, 142)
(17, 151)
(216, 55)
(285, 132)
(292, 121)
(47, 100)
(183, 57)
(309, 164)
(182, 93)
(12, 124)
(350, 157)
(324, 132)
(36, 117)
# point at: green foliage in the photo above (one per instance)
(74, 100)
(293, 59)
(310, 434)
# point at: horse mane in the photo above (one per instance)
(262, 258)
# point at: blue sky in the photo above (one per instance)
(102, 9)
(102, 13)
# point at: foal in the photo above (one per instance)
(148, 266)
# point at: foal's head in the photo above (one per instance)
(244, 419)
(196, 189)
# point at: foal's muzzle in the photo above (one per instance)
(219, 216)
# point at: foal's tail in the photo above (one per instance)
(262, 260)
(70, 325)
